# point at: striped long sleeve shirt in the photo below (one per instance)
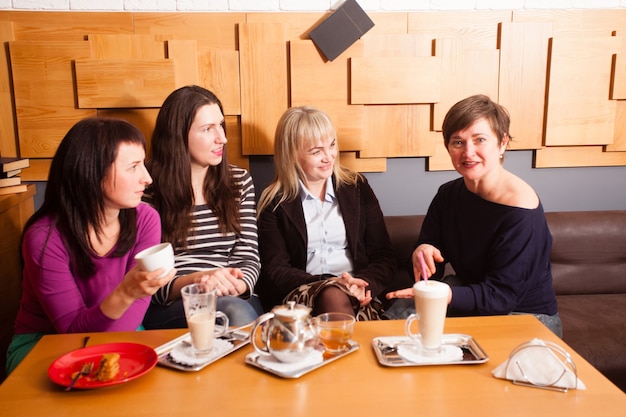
(208, 248)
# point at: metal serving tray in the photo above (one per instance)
(253, 359)
(238, 338)
(386, 349)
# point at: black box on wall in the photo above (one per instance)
(341, 29)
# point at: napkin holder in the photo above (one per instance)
(540, 364)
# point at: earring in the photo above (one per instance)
(501, 155)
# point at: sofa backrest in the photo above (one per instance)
(588, 251)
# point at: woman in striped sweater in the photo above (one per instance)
(207, 209)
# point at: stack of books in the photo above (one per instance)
(10, 170)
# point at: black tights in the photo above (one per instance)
(332, 299)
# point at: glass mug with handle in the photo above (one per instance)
(431, 304)
(199, 301)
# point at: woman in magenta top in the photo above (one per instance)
(78, 248)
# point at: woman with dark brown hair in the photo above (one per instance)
(207, 208)
(78, 248)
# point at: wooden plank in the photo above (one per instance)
(350, 160)
(397, 45)
(43, 84)
(125, 46)
(404, 127)
(619, 139)
(475, 29)
(218, 70)
(234, 145)
(325, 85)
(465, 72)
(583, 115)
(573, 23)
(8, 139)
(522, 80)
(144, 119)
(264, 84)
(388, 23)
(219, 30)
(440, 161)
(129, 83)
(618, 89)
(66, 26)
(397, 80)
(185, 57)
(577, 156)
(37, 171)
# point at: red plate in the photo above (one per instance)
(135, 361)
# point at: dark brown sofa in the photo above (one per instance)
(589, 272)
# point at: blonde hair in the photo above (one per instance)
(299, 128)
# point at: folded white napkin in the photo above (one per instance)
(314, 358)
(183, 353)
(536, 363)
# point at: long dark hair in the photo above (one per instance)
(170, 167)
(74, 198)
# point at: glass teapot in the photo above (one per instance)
(288, 333)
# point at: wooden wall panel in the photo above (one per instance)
(144, 119)
(522, 80)
(37, 171)
(574, 23)
(186, 62)
(131, 83)
(44, 93)
(125, 46)
(618, 90)
(8, 142)
(440, 161)
(219, 30)
(260, 63)
(66, 26)
(296, 25)
(465, 72)
(579, 109)
(397, 131)
(325, 85)
(350, 160)
(619, 138)
(263, 60)
(475, 29)
(577, 156)
(398, 80)
(218, 70)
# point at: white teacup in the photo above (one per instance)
(155, 257)
(431, 304)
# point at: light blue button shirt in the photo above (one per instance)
(327, 246)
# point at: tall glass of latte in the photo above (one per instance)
(431, 304)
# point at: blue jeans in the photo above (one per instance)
(172, 316)
(403, 307)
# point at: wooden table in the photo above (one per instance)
(353, 385)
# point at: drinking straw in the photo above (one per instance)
(423, 265)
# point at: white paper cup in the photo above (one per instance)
(155, 257)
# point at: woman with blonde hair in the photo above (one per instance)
(322, 237)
